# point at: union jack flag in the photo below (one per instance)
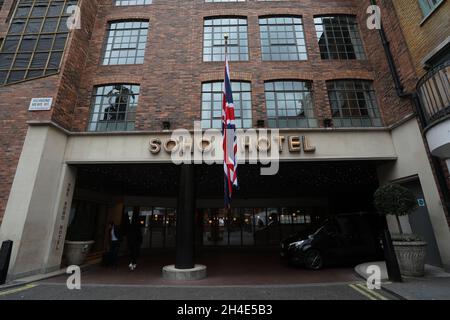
(229, 137)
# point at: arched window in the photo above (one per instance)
(339, 37)
(290, 104)
(114, 107)
(353, 103)
(282, 38)
(214, 42)
(212, 97)
(126, 41)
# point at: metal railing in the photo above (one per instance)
(434, 93)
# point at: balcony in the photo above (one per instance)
(434, 93)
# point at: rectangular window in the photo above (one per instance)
(126, 42)
(428, 6)
(132, 2)
(214, 41)
(114, 108)
(282, 38)
(290, 104)
(212, 97)
(353, 104)
(35, 41)
(339, 38)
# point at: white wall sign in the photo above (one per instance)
(40, 104)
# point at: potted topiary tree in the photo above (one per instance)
(395, 200)
(80, 234)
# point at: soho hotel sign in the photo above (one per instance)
(295, 144)
(263, 145)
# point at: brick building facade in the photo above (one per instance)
(173, 71)
(426, 35)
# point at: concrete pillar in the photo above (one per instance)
(39, 203)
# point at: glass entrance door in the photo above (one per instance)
(158, 226)
(241, 227)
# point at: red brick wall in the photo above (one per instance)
(15, 99)
(173, 70)
(394, 108)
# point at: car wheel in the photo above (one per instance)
(313, 259)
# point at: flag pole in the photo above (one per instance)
(225, 36)
(226, 44)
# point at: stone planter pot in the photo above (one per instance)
(76, 251)
(411, 257)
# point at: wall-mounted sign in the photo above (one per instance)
(40, 104)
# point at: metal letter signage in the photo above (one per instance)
(291, 143)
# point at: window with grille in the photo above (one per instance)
(132, 2)
(212, 97)
(290, 104)
(353, 104)
(214, 41)
(282, 38)
(126, 41)
(339, 38)
(35, 41)
(428, 6)
(114, 107)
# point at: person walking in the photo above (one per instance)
(134, 238)
(114, 244)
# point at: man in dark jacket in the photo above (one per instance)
(114, 244)
(134, 238)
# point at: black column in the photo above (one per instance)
(186, 219)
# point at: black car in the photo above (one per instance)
(341, 239)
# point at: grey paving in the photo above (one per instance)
(422, 289)
(46, 291)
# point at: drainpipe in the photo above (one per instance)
(436, 164)
(390, 59)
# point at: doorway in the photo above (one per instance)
(421, 224)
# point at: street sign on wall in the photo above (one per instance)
(40, 104)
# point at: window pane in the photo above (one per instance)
(126, 43)
(282, 38)
(290, 104)
(113, 108)
(30, 49)
(353, 104)
(212, 104)
(339, 37)
(132, 2)
(214, 41)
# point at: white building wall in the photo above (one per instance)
(413, 161)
